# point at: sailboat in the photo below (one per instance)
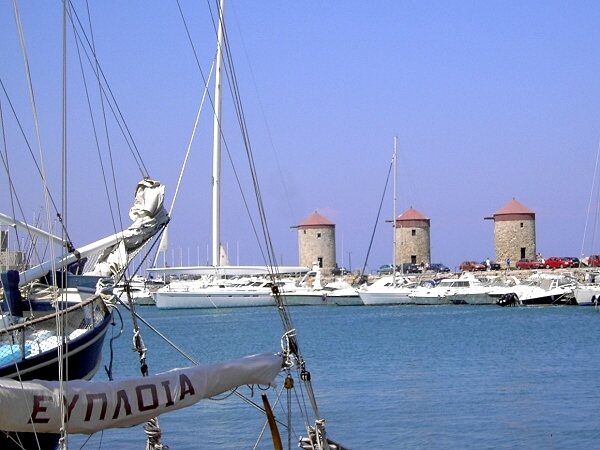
(219, 285)
(295, 372)
(48, 410)
(56, 314)
(45, 404)
(60, 337)
(395, 289)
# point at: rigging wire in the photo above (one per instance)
(595, 185)
(187, 154)
(41, 167)
(91, 115)
(47, 198)
(38, 165)
(387, 180)
(268, 129)
(108, 94)
(269, 258)
(268, 254)
(61, 323)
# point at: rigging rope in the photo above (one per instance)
(185, 159)
(387, 180)
(269, 257)
(152, 427)
(91, 115)
(596, 185)
(107, 93)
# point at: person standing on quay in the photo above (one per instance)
(507, 264)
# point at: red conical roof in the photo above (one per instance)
(514, 207)
(411, 214)
(316, 219)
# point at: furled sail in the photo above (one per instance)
(92, 406)
(148, 215)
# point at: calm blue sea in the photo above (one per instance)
(446, 377)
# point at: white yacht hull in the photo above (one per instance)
(306, 298)
(371, 298)
(587, 295)
(139, 297)
(537, 296)
(481, 298)
(429, 300)
(345, 297)
(211, 299)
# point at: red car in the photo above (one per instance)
(594, 261)
(471, 266)
(556, 262)
(527, 264)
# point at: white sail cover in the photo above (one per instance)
(148, 215)
(92, 406)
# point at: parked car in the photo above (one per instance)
(593, 261)
(493, 265)
(573, 261)
(386, 269)
(556, 262)
(439, 268)
(336, 271)
(528, 264)
(471, 266)
(409, 268)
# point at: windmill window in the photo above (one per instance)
(521, 224)
(318, 235)
(414, 232)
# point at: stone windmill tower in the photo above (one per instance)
(514, 232)
(413, 238)
(316, 242)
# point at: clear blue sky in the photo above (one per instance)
(489, 100)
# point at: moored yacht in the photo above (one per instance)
(338, 292)
(432, 293)
(588, 292)
(305, 293)
(539, 289)
(390, 290)
(220, 293)
(344, 295)
(587, 295)
(218, 287)
(139, 290)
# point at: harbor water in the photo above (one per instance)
(445, 377)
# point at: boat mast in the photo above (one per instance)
(216, 188)
(394, 213)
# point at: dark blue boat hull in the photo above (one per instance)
(83, 358)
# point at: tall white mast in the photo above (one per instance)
(394, 212)
(216, 191)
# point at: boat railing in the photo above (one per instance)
(34, 336)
